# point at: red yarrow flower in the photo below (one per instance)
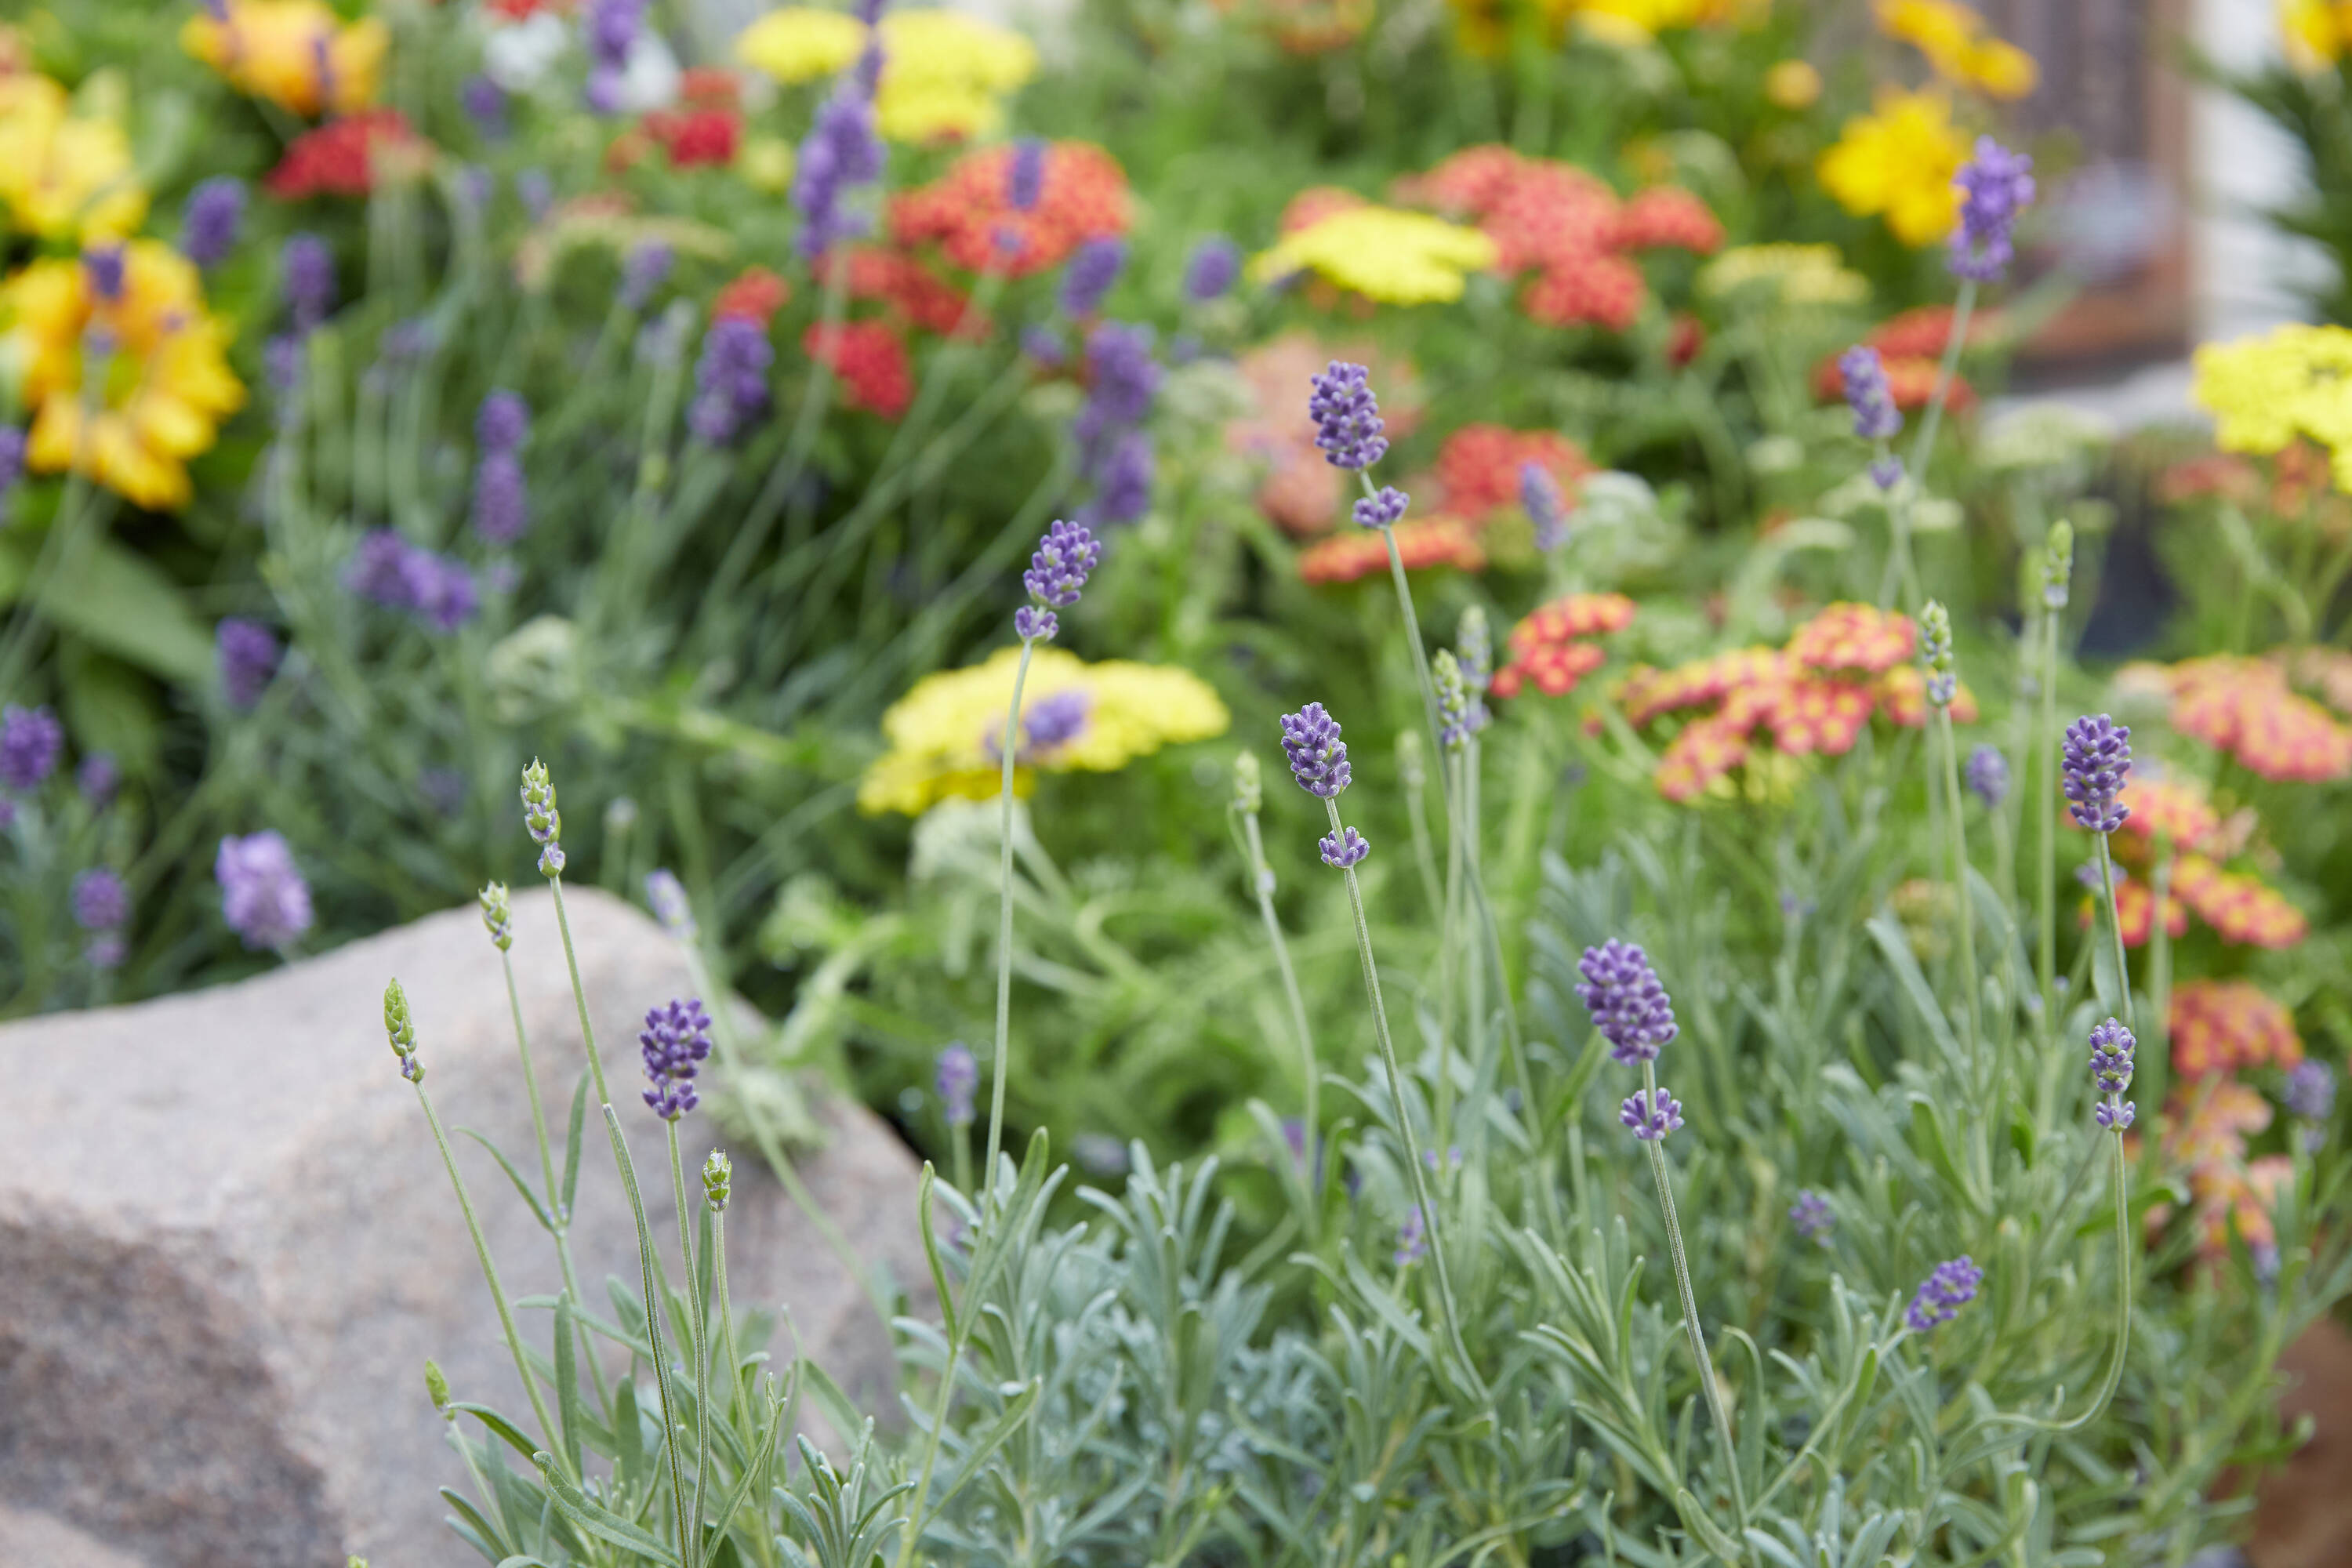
(968, 214)
(698, 138)
(870, 361)
(339, 158)
(755, 295)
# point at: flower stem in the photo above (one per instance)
(2114, 1372)
(1715, 1407)
(1262, 883)
(2116, 926)
(580, 996)
(1922, 447)
(1004, 931)
(1964, 907)
(2046, 753)
(1413, 1169)
(656, 1292)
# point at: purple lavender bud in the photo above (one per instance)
(1344, 848)
(1811, 1216)
(502, 499)
(12, 459)
(731, 380)
(211, 220)
(323, 68)
(282, 364)
(246, 653)
(30, 742)
(674, 1043)
(498, 914)
(263, 896)
(485, 103)
(841, 151)
(1875, 418)
(1995, 186)
(1952, 1285)
(446, 594)
(2111, 1070)
(97, 778)
(1474, 646)
(102, 264)
(957, 1080)
(1628, 1002)
(308, 271)
(612, 29)
(1058, 570)
(644, 269)
(536, 192)
(1055, 719)
(666, 896)
(405, 342)
(1024, 175)
(502, 422)
(1030, 624)
(2098, 755)
(1092, 270)
(541, 819)
(1936, 653)
(100, 900)
(1346, 417)
(1044, 347)
(105, 950)
(1886, 472)
(1318, 758)
(1412, 1239)
(1122, 381)
(1123, 485)
(1211, 268)
(1650, 1116)
(2310, 1091)
(1540, 499)
(1988, 775)
(1460, 712)
(1385, 509)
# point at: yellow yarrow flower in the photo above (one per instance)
(2265, 392)
(64, 174)
(297, 54)
(1396, 257)
(1959, 47)
(1792, 85)
(125, 392)
(2317, 32)
(1796, 274)
(946, 733)
(943, 73)
(1898, 163)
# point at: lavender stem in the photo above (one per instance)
(1715, 1407)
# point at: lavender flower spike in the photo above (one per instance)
(1650, 1115)
(1024, 174)
(1628, 1003)
(1344, 849)
(1952, 1285)
(2111, 1068)
(1995, 186)
(263, 896)
(502, 422)
(101, 901)
(1460, 713)
(2310, 1091)
(1412, 1239)
(1875, 418)
(247, 655)
(309, 268)
(1385, 509)
(2098, 755)
(1056, 573)
(210, 221)
(1346, 417)
(498, 914)
(30, 740)
(1318, 758)
(1211, 268)
(1988, 776)
(957, 1080)
(1936, 653)
(1811, 1218)
(1090, 275)
(673, 1042)
(542, 819)
(666, 895)
(1540, 499)
(401, 1030)
(2058, 565)
(731, 380)
(718, 1179)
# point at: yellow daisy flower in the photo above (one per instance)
(2265, 392)
(297, 54)
(946, 733)
(943, 73)
(2317, 32)
(1898, 163)
(1959, 47)
(1396, 257)
(800, 43)
(63, 174)
(128, 390)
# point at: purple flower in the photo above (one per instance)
(1055, 719)
(1811, 1216)
(644, 271)
(674, 1043)
(12, 463)
(1540, 499)
(1344, 848)
(1044, 347)
(841, 151)
(611, 28)
(1123, 480)
(436, 589)
(2310, 1091)
(101, 901)
(2098, 755)
(1936, 653)
(247, 654)
(1473, 646)
(1093, 269)
(1988, 775)
(1056, 573)
(502, 499)
(1385, 509)
(30, 742)
(731, 380)
(1886, 472)
(541, 819)
(102, 265)
(1024, 175)
(1460, 713)
(104, 951)
(263, 896)
(1412, 1239)
(485, 103)
(97, 778)
(210, 221)
(1875, 418)
(1030, 624)
(308, 269)
(1318, 758)
(1211, 268)
(1650, 1115)
(666, 896)
(2111, 1070)
(1628, 1002)
(1346, 417)
(502, 422)
(1123, 379)
(957, 1080)
(1995, 186)
(1952, 1285)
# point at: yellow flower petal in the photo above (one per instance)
(1396, 257)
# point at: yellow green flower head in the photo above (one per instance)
(1796, 274)
(1898, 163)
(946, 735)
(943, 73)
(2266, 391)
(1396, 257)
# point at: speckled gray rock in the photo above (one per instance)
(227, 1245)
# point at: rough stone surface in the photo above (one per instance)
(228, 1245)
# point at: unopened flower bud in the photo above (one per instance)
(717, 1177)
(436, 1385)
(1249, 790)
(498, 915)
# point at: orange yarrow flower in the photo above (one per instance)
(1549, 650)
(2224, 1026)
